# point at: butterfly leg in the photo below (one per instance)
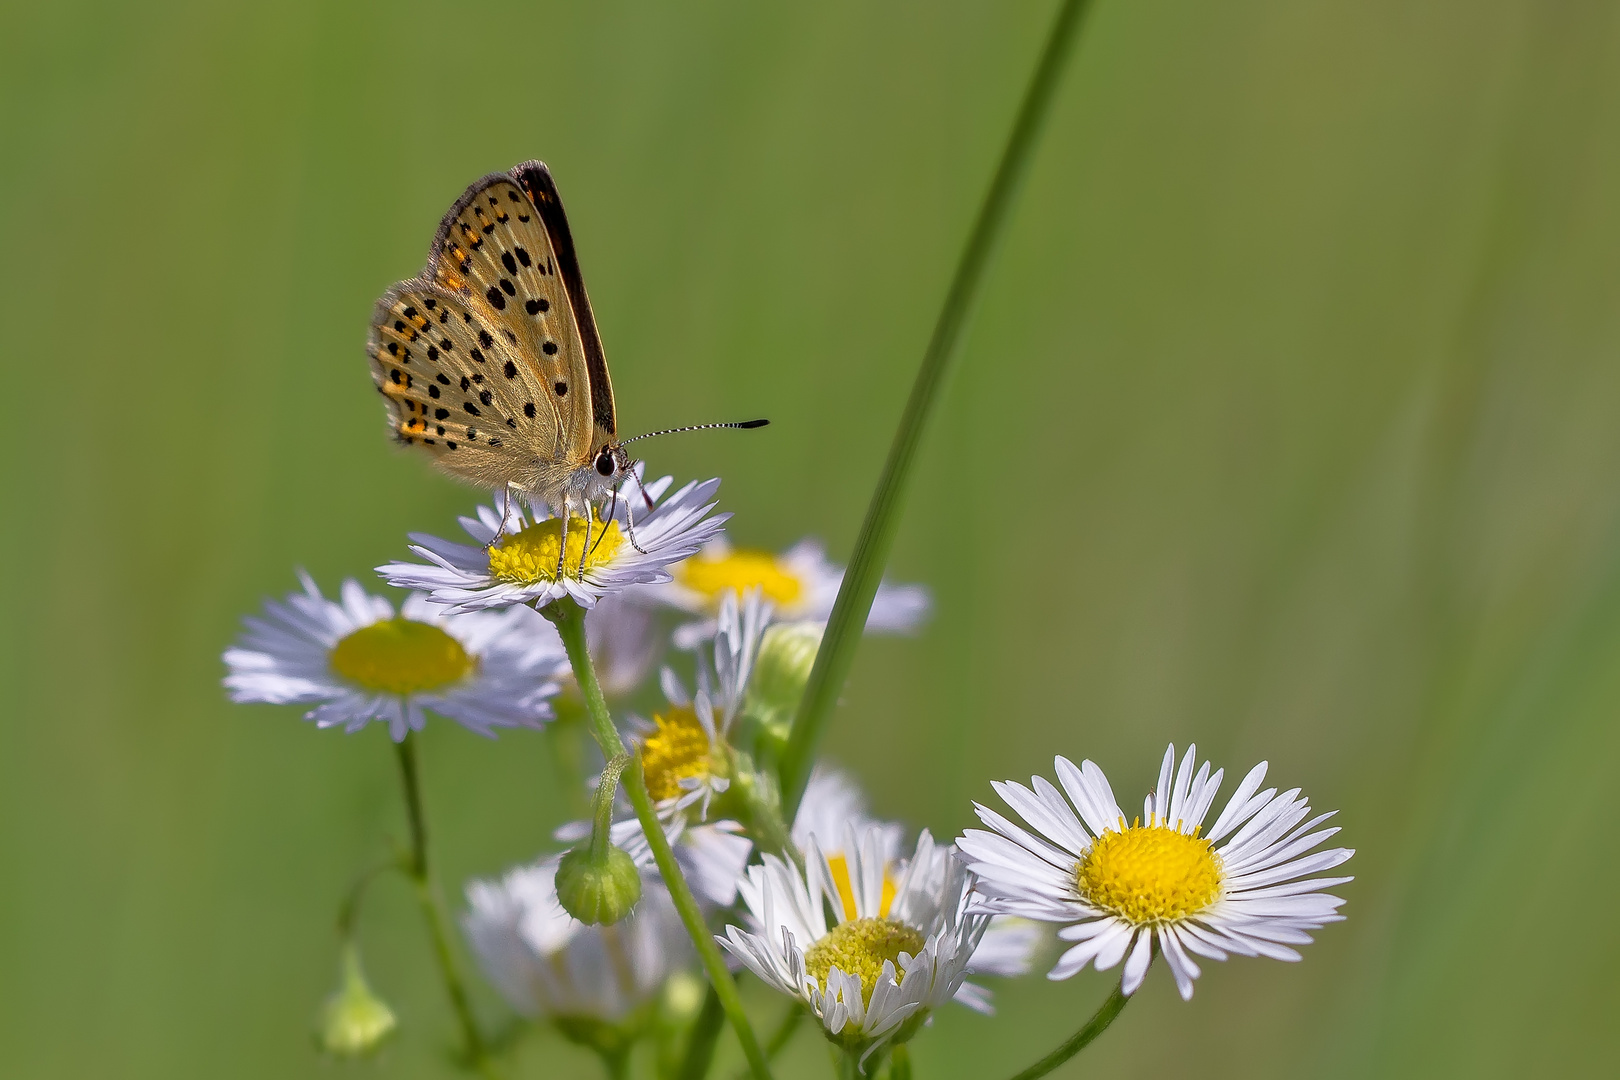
(613, 509)
(562, 540)
(630, 523)
(506, 513)
(586, 546)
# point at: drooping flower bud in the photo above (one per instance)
(598, 889)
(354, 1021)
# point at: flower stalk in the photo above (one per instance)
(569, 619)
(427, 894)
(877, 533)
(1079, 1040)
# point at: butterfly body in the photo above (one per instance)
(490, 360)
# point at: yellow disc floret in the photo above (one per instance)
(1150, 875)
(714, 575)
(678, 750)
(530, 557)
(401, 656)
(859, 948)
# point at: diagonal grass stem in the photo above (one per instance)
(569, 619)
(877, 533)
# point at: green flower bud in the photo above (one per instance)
(354, 1021)
(598, 889)
(787, 652)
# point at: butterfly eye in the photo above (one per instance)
(604, 463)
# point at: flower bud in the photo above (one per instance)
(598, 890)
(787, 652)
(354, 1021)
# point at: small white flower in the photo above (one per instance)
(897, 950)
(356, 661)
(1122, 887)
(522, 567)
(684, 754)
(547, 963)
(687, 763)
(834, 809)
(801, 583)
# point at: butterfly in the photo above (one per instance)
(490, 360)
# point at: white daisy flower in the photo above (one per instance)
(834, 809)
(548, 964)
(1123, 888)
(521, 567)
(687, 763)
(889, 958)
(801, 583)
(356, 661)
(684, 754)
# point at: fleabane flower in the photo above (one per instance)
(354, 660)
(517, 551)
(684, 753)
(801, 583)
(1124, 886)
(894, 951)
(687, 762)
(833, 810)
(548, 964)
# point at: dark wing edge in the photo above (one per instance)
(535, 180)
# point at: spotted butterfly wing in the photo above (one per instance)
(490, 359)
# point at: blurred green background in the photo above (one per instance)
(1287, 425)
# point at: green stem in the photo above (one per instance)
(900, 1063)
(785, 1030)
(700, 1042)
(569, 618)
(602, 807)
(877, 533)
(427, 894)
(1079, 1040)
(349, 910)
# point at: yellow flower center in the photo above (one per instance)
(530, 557)
(677, 751)
(714, 575)
(1148, 875)
(401, 656)
(859, 947)
(846, 888)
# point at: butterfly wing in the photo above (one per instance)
(458, 384)
(536, 181)
(506, 243)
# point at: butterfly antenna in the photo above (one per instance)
(744, 425)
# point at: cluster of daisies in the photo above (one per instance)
(863, 925)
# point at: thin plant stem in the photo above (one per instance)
(785, 1030)
(900, 1063)
(700, 1041)
(878, 530)
(1079, 1040)
(569, 618)
(427, 894)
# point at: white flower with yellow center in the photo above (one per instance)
(356, 661)
(801, 583)
(833, 810)
(896, 950)
(548, 964)
(1161, 879)
(516, 562)
(687, 763)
